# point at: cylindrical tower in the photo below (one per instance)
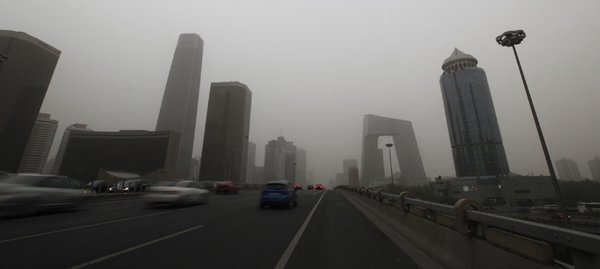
(472, 124)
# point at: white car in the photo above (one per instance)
(29, 193)
(180, 193)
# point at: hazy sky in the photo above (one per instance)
(315, 68)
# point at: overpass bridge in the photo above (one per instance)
(343, 228)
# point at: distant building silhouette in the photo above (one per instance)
(26, 68)
(353, 179)
(290, 162)
(130, 151)
(301, 167)
(347, 164)
(64, 142)
(282, 161)
(39, 144)
(568, 170)
(594, 165)
(180, 101)
(251, 166)
(225, 149)
(405, 146)
(472, 124)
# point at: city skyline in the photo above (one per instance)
(329, 65)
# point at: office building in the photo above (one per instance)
(26, 68)
(568, 170)
(473, 128)
(301, 167)
(594, 165)
(347, 164)
(274, 168)
(405, 146)
(225, 149)
(64, 142)
(251, 168)
(39, 144)
(353, 179)
(180, 101)
(127, 151)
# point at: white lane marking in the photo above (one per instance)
(108, 222)
(134, 248)
(288, 252)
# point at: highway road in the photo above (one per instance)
(230, 231)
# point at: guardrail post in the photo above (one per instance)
(379, 198)
(402, 205)
(461, 224)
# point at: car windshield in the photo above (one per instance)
(275, 186)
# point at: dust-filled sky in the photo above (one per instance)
(315, 68)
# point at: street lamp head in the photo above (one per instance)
(389, 145)
(511, 38)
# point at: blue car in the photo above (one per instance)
(278, 193)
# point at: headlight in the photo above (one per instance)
(127, 188)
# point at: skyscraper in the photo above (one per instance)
(274, 168)
(568, 170)
(472, 124)
(594, 165)
(225, 149)
(251, 168)
(39, 144)
(26, 68)
(347, 164)
(180, 100)
(301, 167)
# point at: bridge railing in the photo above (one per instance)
(531, 240)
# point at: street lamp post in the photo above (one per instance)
(510, 39)
(389, 145)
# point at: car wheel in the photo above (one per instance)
(262, 205)
(290, 204)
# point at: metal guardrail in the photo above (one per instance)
(467, 218)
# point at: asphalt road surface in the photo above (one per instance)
(230, 231)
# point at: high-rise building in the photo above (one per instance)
(568, 170)
(594, 165)
(26, 68)
(64, 142)
(405, 146)
(225, 149)
(39, 144)
(347, 164)
(180, 101)
(301, 167)
(290, 162)
(251, 168)
(274, 168)
(472, 124)
(353, 179)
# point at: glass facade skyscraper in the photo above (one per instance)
(472, 124)
(26, 68)
(179, 106)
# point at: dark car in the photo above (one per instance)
(133, 185)
(278, 193)
(298, 187)
(226, 187)
(319, 187)
(98, 186)
(310, 187)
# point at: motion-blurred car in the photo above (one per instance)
(226, 187)
(98, 186)
(278, 193)
(29, 193)
(133, 185)
(181, 193)
(310, 187)
(298, 187)
(319, 187)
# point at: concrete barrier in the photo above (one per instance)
(458, 237)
